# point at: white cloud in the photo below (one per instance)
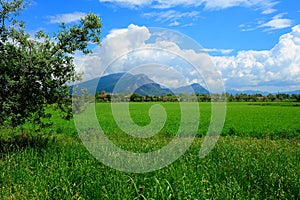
(173, 3)
(264, 5)
(277, 22)
(150, 48)
(117, 43)
(154, 3)
(189, 24)
(67, 18)
(129, 3)
(172, 16)
(222, 51)
(278, 67)
(175, 23)
(222, 4)
(268, 11)
(274, 69)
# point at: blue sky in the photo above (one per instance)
(255, 44)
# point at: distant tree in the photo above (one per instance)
(135, 97)
(35, 70)
(182, 97)
(108, 97)
(97, 96)
(242, 97)
(282, 97)
(271, 97)
(215, 97)
(296, 97)
(229, 97)
(123, 97)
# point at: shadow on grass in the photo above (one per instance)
(22, 142)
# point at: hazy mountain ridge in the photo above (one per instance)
(189, 89)
(141, 84)
(264, 93)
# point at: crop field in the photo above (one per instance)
(256, 157)
(242, 119)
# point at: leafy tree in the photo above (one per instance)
(135, 97)
(271, 97)
(282, 97)
(35, 70)
(296, 97)
(229, 97)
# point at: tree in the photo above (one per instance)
(229, 97)
(296, 97)
(35, 70)
(135, 97)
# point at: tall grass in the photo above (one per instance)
(258, 157)
(238, 168)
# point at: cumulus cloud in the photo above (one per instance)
(275, 68)
(137, 48)
(66, 18)
(117, 43)
(222, 51)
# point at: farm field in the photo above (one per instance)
(277, 119)
(257, 157)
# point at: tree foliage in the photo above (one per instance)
(35, 70)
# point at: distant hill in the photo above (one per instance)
(251, 92)
(141, 84)
(189, 89)
(292, 92)
(153, 89)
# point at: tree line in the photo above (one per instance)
(242, 97)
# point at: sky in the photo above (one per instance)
(252, 44)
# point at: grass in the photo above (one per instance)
(274, 120)
(263, 121)
(252, 160)
(240, 168)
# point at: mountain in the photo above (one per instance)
(124, 83)
(189, 89)
(153, 89)
(249, 92)
(141, 84)
(292, 92)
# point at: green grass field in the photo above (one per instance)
(257, 157)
